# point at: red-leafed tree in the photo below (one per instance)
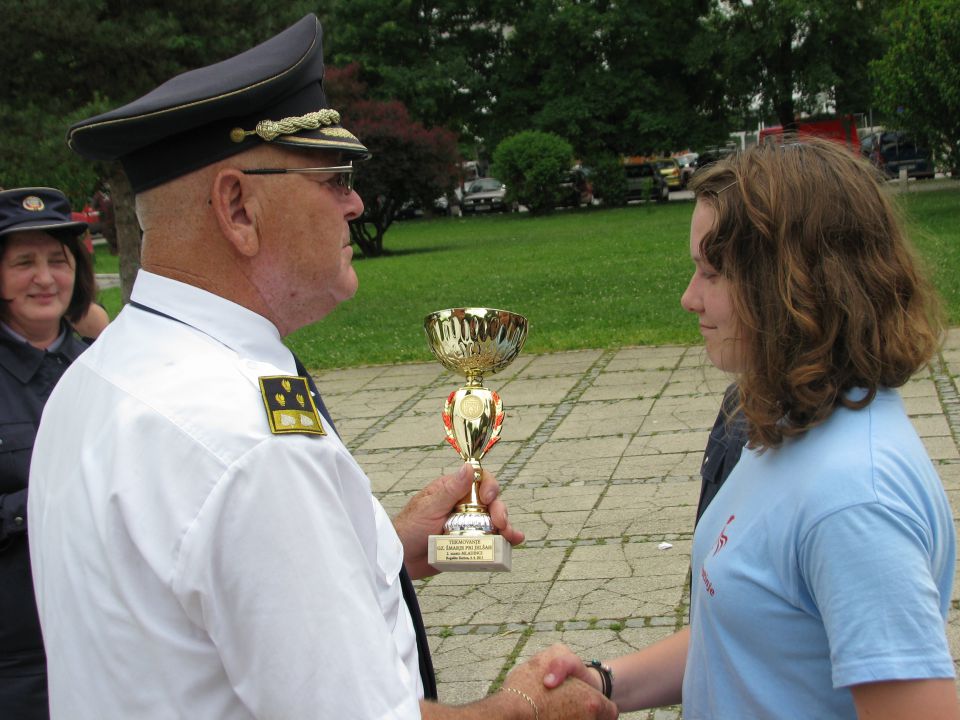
(410, 162)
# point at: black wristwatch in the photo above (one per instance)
(606, 676)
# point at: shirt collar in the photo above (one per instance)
(23, 360)
(242, 330)
(52, 347)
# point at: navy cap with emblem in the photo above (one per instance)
(271, 93)
(36, 208)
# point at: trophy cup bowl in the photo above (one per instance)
(473, 342)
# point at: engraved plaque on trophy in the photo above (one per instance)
(473, 342)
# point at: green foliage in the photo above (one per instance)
(65, 60)
(409, 163)
(917, 81)
(790, 55)
(609, 77)
(616, 78)
(35, 153)
(609, 180)
(434, 57)
(532, 164)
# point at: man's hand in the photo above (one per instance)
(570, 698)
(429, 509)
(524, 697)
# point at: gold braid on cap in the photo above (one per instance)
(270, 129)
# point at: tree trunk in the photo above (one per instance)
(783, 81)
(370, 243)
(128, 230)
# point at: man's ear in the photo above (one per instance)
(234, 206)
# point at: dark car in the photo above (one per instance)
(712, 154)
(644, 182)
(576, 189)
(892, 151)
(484, 195)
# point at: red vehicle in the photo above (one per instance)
(92, 218)
(842, 129)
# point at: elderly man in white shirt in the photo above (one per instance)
(203, 544)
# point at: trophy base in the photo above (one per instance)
(469, 553)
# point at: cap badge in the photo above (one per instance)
(32, 203)
(289, 405)
(270, 129)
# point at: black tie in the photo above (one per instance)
(427, 676)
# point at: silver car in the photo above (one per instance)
(484, 195)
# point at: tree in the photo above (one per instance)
(609, 180)
(70, 59)
(778, 57)
(434, 56)
(917, 81)
(609, 77)
(410, 161)
(532, 164)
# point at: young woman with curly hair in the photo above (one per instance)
(823, 568)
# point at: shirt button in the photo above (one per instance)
(18, 520)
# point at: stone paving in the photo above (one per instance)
(599, 460)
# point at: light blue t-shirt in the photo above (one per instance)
(825, 563)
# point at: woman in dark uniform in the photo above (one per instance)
(46, 284)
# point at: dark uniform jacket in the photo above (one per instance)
(724, 446)
(27, 376)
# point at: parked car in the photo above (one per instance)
(712, 154)
(92, 218)
(88, 215)
(408, 211)
(892, 151)
(670, 170)
(688, 165)
(576, 189)
(841, 129)
(644, 182)
(484, 195)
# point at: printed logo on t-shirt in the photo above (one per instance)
(722, 539)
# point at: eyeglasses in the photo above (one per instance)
(342, 179)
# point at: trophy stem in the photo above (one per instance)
(471, 503)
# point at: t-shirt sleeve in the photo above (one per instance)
(868, 571)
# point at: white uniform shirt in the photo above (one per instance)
(189, 563)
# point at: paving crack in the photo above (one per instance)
(947, 395)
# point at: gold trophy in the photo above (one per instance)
(473, 342)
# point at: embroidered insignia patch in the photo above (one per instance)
(289, 404)
(32, 203)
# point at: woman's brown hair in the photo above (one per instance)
(825, 285)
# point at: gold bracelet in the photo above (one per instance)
(521, 693)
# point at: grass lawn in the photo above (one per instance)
(584, 279)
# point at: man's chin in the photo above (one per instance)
(347, 289)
